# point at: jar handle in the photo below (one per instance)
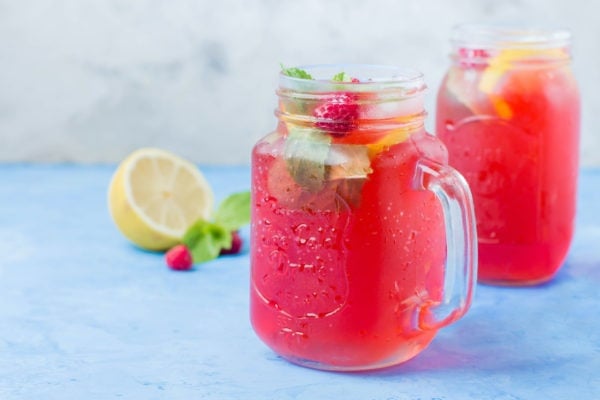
(460, 270)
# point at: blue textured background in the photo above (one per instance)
(85, 315)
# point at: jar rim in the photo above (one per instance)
(482, 36)
(372, 77)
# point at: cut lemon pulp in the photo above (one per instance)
(154, 196)
(502, 63)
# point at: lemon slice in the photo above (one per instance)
(154, 196)
(502, 63)
(393, 137)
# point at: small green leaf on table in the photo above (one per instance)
(234, 211)
(206, 239)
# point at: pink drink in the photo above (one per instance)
(344, 271)
(509, 115)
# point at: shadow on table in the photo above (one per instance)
(476, 347)
(578, 268)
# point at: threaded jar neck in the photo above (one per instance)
(476, 44)
(381, 97)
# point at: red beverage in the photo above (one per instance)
(508, 111)
(348, 248)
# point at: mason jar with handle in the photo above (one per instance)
(363, 241)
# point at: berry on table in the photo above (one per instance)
(179, 258)
(236, 244)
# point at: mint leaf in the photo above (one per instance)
(306, 151)
(234, 211)
(341, 77)
(206, 239)
(295, 72)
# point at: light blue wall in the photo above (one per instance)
(91, 80)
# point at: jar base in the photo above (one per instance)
(529, 264)
(400, 357)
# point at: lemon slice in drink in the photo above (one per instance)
(502, 63)
(154, 196)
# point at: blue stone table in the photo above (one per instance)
(85, 315)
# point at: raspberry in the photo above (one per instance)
(179, 258)
(337, 115)
(472, 57)
(236, 244)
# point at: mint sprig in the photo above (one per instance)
(341, 77)
(205, 239)
(295, 72)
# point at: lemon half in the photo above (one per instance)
(154, 196)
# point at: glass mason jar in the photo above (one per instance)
(508, 111)
(363, 239)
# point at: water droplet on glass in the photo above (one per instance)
(300, 228)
